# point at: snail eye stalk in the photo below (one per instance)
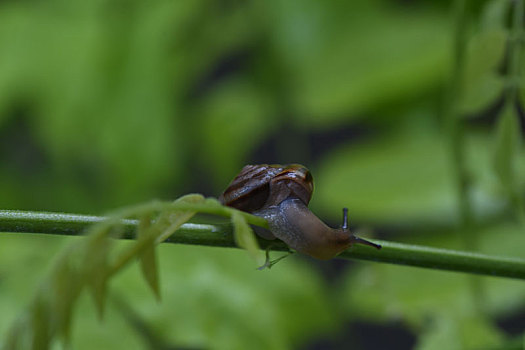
(356, 239)
(345, 219)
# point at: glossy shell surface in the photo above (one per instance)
(264, 185)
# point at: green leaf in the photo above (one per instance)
(96, 260)
(16, 338)
(193, 198)
(442, 334)
(460, 333)
(212, 202)
(495, 14)
(166, 223)
(148, 264)
(41, 323)
(245, 238)
(396, 178)
(480, 332)
(176, 219)
(343, 58)
(485, 52)
(148, 260)
(507, 148)
(483, 83)
(481, 93)
(67, 284)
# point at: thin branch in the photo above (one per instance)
(220, 235)
(515, 47)
(456, 130)
(456, 123)
(514, 52)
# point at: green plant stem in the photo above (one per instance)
(456, 125)
(511, 93)
(454, 119)
(514, 52)
(220, 235)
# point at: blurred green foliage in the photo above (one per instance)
(109, 102)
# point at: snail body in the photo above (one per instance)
(280, 194)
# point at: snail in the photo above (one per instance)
(280, 194)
